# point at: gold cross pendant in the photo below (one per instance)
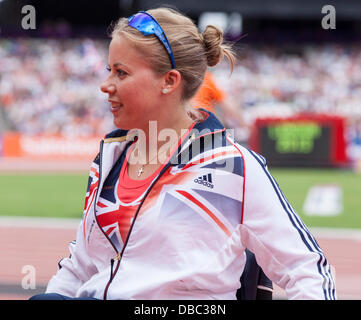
(140, 171)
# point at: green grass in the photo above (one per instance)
(295, 184)
(62, 195)
(43, 195)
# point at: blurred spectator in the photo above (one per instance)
(212, 98)
(209, 94)
(354, 145)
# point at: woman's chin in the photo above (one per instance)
(122, 124)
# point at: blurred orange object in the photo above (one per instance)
(208, 94)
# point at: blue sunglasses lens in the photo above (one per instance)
(147, 25)
(142, 23)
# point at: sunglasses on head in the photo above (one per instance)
(147, 25)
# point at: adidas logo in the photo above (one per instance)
(205, 180)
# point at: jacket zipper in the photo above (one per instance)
(112, 260)
(96, 219)
(116, 258)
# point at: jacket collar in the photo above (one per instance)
(208, 126)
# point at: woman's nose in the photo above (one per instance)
(107, 87)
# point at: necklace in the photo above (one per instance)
(141, 170)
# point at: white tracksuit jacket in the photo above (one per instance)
(188, 238)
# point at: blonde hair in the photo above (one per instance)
(193, 51)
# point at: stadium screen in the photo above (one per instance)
(298, 142)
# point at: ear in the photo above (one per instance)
(172, 80)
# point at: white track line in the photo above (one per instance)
(39, 222)
(336, 233)
(71, 223)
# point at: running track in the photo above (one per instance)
(41, 243)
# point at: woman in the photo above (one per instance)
(173, 202)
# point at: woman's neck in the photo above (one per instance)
(157, 140)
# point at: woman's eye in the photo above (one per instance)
(121, 73)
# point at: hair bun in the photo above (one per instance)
(212, 42)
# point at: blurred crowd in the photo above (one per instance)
(310, 78)
(52, 86)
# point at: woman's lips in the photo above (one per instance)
(114, 106)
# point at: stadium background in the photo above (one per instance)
(52, 115)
